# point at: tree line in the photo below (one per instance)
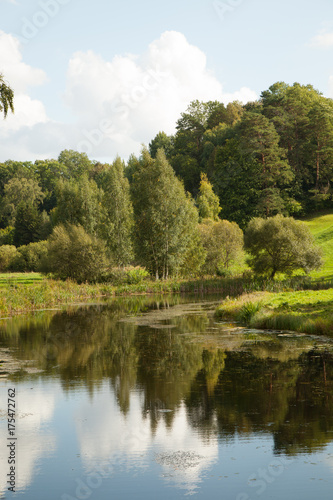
(271, 156)
(180, 208)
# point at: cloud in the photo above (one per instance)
(116, 104)
(130, 443)
(21, 77)
(323, 40)
(35, 411)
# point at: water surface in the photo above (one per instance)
(152, 398)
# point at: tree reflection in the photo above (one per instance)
(230, 382)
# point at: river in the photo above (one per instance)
(152, 398)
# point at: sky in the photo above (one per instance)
(105, 77)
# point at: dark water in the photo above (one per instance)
(150, 398)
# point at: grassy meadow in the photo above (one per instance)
(306, 311)
(321, 226)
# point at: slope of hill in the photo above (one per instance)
(321, 226)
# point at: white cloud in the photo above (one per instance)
(35, 409)
(323, 40)
(20, 77)
(129, 442)
(116, 105)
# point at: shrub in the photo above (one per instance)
(29, 257)
(223, 242)
(72, 253)
(127, 275)
(7, 236)
(248, 311)
(7, 254)
(280, 245)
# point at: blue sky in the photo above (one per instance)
(105, 77)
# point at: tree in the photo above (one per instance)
(78, 203)
(208, 202)
(228, 115)
(321, 132)
(27, 225)
(76, 163)
(6, 97)
(165, 217)
(223, 242)
(260, 141)
(48, 173)
(280, 245)
(188, 143)
(117, 220)
(161, 140)
(7, 255)
(19, 190)
(237, 180)
(72, 253)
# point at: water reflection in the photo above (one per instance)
(36, 441)
(166, 385)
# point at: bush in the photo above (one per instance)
(29, 257)
(74, 254)
(7, 254)
(223, 243)
(280, 245)
(7, 236)
(127, 275)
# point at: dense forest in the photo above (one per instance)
(168, 209)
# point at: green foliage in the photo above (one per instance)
(19, 190)
(77, 164)
(195, 256)
(29, 258)
(130, 275)
(280, 245)
(78, 203)
(260, 142)
(117, 219)
(27, 224)
(161, 141)
(223, 242)
(165, 217)
(7, 254)
(7, 235)
(48, 173)
(208, 202)
(6, 97)
(74, 254)
(248, 311)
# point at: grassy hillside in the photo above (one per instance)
(321, 226)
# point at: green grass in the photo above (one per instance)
(321, 226)
(306, 311)
(20, 278)
(31, 291)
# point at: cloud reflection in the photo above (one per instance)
(127, 442)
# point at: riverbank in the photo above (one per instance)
(306, 311)
(24, 292)
(21, 293)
